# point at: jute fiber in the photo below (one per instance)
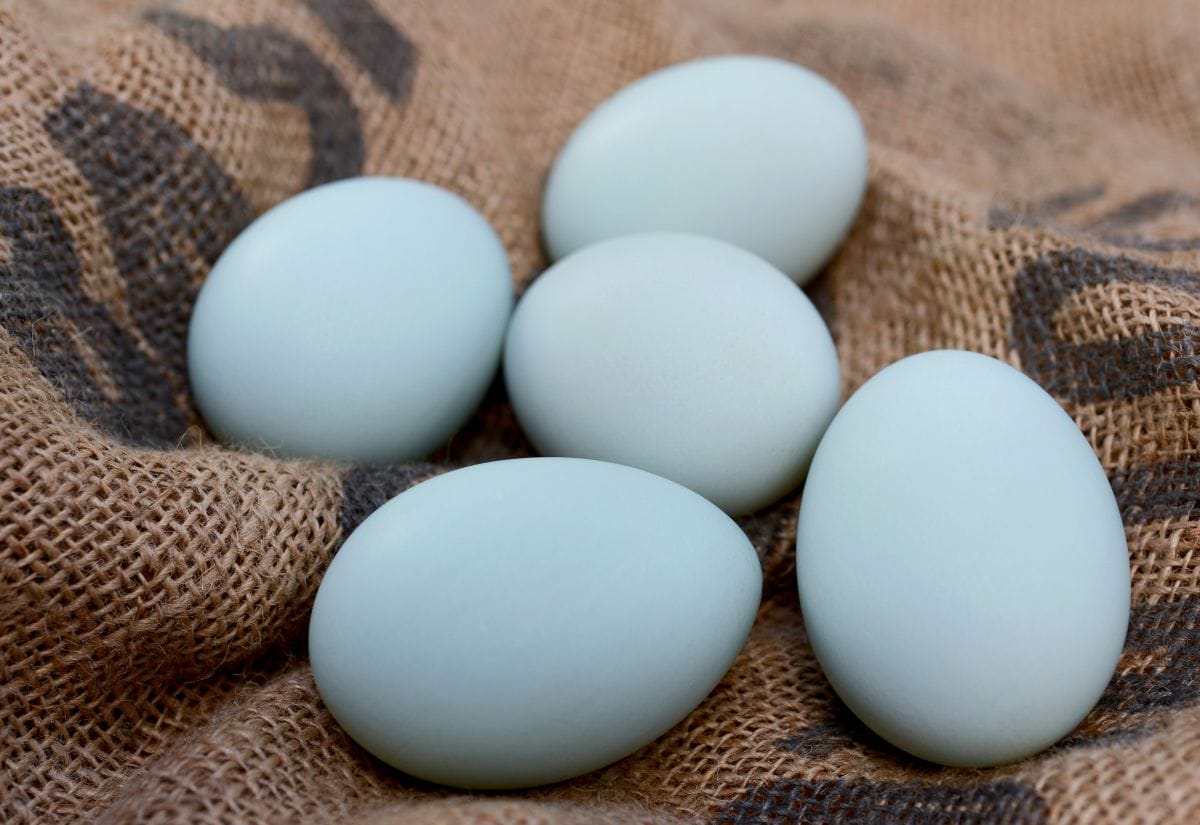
(1034, 195)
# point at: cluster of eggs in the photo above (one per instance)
(961, 561)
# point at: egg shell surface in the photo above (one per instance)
(679, 354)
(962, 564)
(525, 621)
(361, 320)
(753, 150)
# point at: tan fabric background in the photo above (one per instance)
(1035, 195)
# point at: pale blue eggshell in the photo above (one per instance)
(361, 320)
(526, 621)
(756, 151)
(962, 564)
(679, 354)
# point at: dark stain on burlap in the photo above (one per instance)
(364, 489)
(1167, 489)
(375, 43)
(839, 730)
(1121, 225)
(834, 801)
(43, 306)
(264, 63)
(169, 209)
(1168, 635)
(1127, 367)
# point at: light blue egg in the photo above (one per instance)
(526, 621)
(361, 320)
(962, 565)
(679, 354)
(752, 150)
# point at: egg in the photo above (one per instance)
(361, 320)
(525, 621)
(961, 560)
(679, 354)
(756, 151)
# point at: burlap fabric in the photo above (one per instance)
(1035, 195)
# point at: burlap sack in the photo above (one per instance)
(1035, 195)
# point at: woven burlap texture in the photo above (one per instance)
(1034, 195)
